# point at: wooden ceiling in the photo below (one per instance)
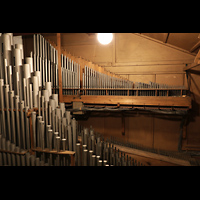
(187, 41)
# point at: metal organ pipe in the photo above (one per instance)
(28, 83)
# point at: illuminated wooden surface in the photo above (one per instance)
(131, 100)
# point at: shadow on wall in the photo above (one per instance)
(195, 111)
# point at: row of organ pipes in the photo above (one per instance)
(45, 62)
(28, 85)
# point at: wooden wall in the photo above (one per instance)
(139, 58)
(193, 128)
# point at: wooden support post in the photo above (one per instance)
(72, 160)
(59, 67)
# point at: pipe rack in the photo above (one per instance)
(94, 81)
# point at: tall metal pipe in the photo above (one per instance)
(13, 157)
(70, 138)
(27, 128)
(78, 155)
(54, 139)
(22, 123)
(2, 107)
(16, 98)
(35, 91)
(38, 133)
(33, 115)
(50, 133)
(63, 144)
(6, 90)
(48, 127)
(58, 143)
(42, 140)
(74, 133)
(85, 157)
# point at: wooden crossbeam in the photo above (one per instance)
(191, 66)
(131, 100)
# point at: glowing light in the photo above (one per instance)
(104, 38)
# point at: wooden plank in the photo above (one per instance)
(130, 100)
(153, 155)
(59, 67)
(170, 79)
(46, 150)
(12, 152)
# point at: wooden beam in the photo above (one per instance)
(197, 58)
(130, 100)
(167, 37)
(153, 155)
(197, 45)
(59, 66)
(191, 66)
(46, 150)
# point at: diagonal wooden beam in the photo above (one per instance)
(196, 46)
(191, 66)
(167, 37)
(197, 58)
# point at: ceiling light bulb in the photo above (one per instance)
(104, 38)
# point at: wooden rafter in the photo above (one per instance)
(167, 37)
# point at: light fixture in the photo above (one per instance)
(104, 38)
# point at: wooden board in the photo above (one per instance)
(166, 134)
(141, 69)
(132, 47)
(130, 100)
(142, 78)
(170, 79)
(38, 149)
(113, 127)
(59, 67)
(153, 155)
(140, 130)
